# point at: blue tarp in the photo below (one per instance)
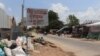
(2, 52)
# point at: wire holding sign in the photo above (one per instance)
(37, 17)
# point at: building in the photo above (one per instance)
(94, 30)
(6, 24)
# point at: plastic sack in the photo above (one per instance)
(24, 39)
(30, 45)
(6, 42)
(19, 41)
(7, 51)
(18, 51)
(2, 52)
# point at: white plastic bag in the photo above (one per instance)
(18, 51)
(7, 51)
(24, 39)
(30, 45)
(7, 42)
(19, 41)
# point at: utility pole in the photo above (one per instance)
(23, 9)
(26, 26)
(24, 22)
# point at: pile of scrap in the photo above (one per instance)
(11, 48)
(29, 45)
(40, 40)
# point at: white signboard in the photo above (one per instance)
(37, 17)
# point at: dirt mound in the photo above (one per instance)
(49, 50)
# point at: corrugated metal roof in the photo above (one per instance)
(94, 24)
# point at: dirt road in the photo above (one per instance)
(80, 48)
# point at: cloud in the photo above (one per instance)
(2, 6)
(61, 10)
(90, 14)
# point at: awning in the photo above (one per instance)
(94, 24)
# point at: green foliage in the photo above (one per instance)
(72, 20)
(54, 22)
(52, 16)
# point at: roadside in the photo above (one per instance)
(47, 50)
(77, 46)
(78, 39)
(83, 48)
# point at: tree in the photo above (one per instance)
(52, 16)
(22, 26)
(54, 22)
(72, 20)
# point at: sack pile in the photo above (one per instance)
(12, 48)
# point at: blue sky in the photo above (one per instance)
(83, 7)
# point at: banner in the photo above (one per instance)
(37, 17)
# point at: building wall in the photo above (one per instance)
(5, 24)
(4, 20)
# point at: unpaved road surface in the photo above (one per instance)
(80, 48)
(50, 50)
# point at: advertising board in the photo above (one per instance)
(37, 17)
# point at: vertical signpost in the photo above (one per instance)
(37, 17)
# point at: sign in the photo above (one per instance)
(37, 17)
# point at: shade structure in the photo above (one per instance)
(94, 24)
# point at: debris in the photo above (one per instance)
(7, 51)
(19, 41)
(30, 45)
(40, 40)
(14, 45)
(18, 51)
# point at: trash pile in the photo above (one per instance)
(29, 46)
(18, 47)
